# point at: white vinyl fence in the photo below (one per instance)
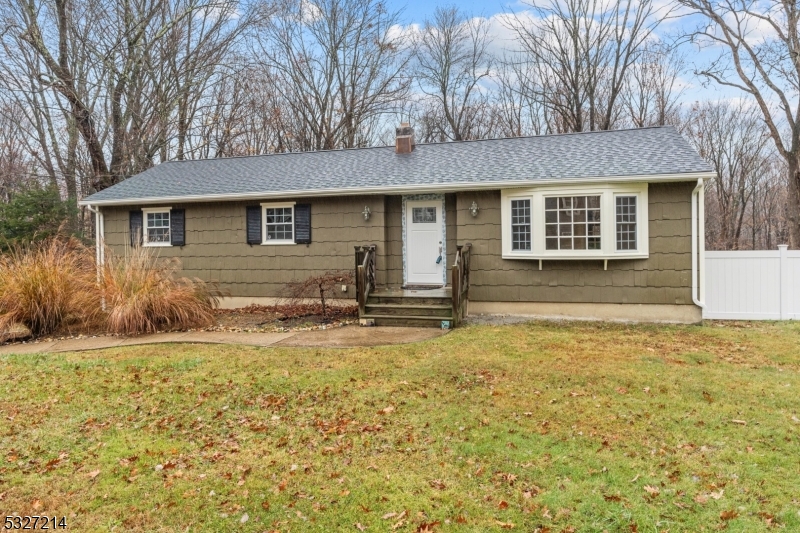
(758, 285)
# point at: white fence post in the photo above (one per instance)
(785, 297)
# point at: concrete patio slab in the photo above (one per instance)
(86, 343)
(27, 348)
(232, 337)
(352, 336)
(344, 337)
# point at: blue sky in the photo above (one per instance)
(416, 11)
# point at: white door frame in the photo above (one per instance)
(429, 198)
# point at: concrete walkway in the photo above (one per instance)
(344, 337)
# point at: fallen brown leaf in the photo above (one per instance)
(437, 484)
(427, 527)
(652, 491)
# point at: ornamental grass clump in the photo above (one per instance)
(143, 295)
(49, 287)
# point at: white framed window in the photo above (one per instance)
(521, 224)
(625, 212)
(156, 227)
(604, 221)
(572, 223)
(278, 220)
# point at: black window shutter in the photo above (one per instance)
(136, 228)
(177, 227)
(302, 223)
(253, 224)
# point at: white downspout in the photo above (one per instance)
(698, 244)
(99, 243)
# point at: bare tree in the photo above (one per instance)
(761, 57)
(733, 139)
(652, 92)
(582, 51)
(340, 63)
(518, 109)
(125, 72)
(451, 61)
(15, 165)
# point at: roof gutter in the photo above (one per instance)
(399, 189)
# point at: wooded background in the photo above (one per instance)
(95, 91)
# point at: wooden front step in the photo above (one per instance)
(407, 321)
(419, 308)
(407, 309)
(401, 300)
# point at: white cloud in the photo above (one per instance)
(309, 11)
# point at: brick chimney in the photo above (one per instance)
(404, 139)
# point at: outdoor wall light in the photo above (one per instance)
(366, 212)
(473, 209)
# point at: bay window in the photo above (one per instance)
(575, 222)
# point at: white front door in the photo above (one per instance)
(424, 243)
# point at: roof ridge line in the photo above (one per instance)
(495, 139)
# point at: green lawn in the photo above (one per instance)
(535, 427)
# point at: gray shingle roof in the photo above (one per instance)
(446, 166)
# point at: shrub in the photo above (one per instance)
(318, 286)
(48, 286)
(34, 214)
(143, 295)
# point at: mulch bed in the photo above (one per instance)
(253, 318)
(296, 317)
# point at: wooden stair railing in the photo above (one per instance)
(365, 275)
(460, 280)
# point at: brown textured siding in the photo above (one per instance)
(216, 248)
(451, 229)
(393, 264)
(663, 278)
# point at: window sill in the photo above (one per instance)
(156, 244)
(572, 257)
(276, 243)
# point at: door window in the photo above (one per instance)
(423, 215)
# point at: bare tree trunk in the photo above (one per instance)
(765, 66)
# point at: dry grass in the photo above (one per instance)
(580, 427)
(48, 286)
(143, 295)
